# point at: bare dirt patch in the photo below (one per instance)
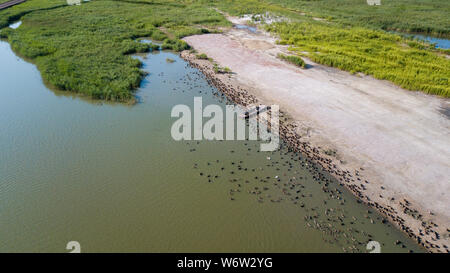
(257, 44)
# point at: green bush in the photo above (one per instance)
(293, 60)
(175, 45)
(202, 56)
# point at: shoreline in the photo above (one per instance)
(235, 91)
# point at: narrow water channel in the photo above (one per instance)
(438, 42)
(110, 177)
(442, 43)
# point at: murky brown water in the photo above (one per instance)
(110, 177)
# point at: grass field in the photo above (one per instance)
(87, 48)
(385, 56)
(424, 16)
(14, 13)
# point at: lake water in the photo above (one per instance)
(110, 177)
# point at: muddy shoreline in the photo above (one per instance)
(427, 236)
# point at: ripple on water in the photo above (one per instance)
(112, 177)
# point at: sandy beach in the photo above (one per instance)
(389, 146)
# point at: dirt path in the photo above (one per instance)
(398, 140)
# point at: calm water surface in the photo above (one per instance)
(249, 28)
(439, 42)
(110, 177)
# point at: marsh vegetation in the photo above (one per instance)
(357, 48)
(424, 16)
(410, 64)
(295, 60)
(87, 48)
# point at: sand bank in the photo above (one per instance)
(389, 146)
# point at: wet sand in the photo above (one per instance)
(389, 146)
